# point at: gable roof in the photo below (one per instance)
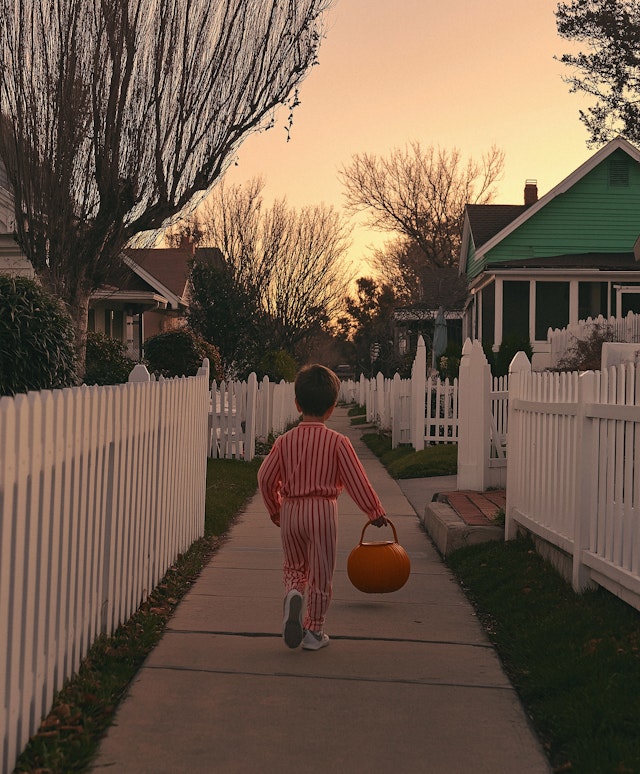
(165, 269)
(487, 220)
(496, 226)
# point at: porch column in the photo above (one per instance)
(499, 301)
(573, 301)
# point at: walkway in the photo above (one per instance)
(408, 684)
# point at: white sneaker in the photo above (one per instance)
(314, 640)
(292, 626)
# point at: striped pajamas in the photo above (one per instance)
(300, 481)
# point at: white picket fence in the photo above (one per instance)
(100, 489)
(471, 411)
(242, 412)
(574, 471)
(561, 340)
(416, 411)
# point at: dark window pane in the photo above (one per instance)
(489, 313)
(515, 310)
(592, 299)
(552, 307)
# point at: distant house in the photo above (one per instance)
(146, 296)
(440, 288)
(12, 259)
(555, 260)
(150, 294)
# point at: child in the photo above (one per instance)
(300, 480)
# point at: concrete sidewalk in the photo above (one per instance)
(409, 682)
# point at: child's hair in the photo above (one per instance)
(316, 389)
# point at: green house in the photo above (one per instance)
(555, 260)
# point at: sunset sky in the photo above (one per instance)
(463, 74)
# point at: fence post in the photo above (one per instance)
(418, 390)
(519, 366)
(250, 418)
(474, 417)
(396, 414)
(204, 368)
(139, 374)
(585, 476)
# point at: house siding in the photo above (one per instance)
(591, 217)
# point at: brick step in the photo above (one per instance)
(476, 508)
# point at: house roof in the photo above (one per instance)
(492, 231)
(166, 270)
(487, 220)
(601, 261)
(421, 312)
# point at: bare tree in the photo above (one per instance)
(421, 193)
(401, 265)
(119, 113)
(294, 260)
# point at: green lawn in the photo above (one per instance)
(438, 460)
(574, 659)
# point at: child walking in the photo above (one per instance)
(300, 481)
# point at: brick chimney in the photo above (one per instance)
(530, 192)
(187, 243)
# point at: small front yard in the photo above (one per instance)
(438, 460)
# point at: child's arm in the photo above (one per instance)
(269, 482)
(357, 484)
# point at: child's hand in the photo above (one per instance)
(379, 522)
(275, 518)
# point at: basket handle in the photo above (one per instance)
(389, 522)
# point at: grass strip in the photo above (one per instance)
(574, 659)
(68, 737)
(438, 460)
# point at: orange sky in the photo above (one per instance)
(465, 74)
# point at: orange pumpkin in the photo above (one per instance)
(380, 567)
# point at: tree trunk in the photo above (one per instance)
(78, 308)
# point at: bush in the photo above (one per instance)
(37, 341)
(180, 353)
(277, 365)
(508, 349)
(586, 354)
(107, 361)
(449, 362)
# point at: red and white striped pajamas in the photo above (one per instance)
(300, 479)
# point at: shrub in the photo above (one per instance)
(180, 353)
(508, 349)
(277, 365)
(586, 354)
(449, 362)
(37, 341)
(107, 361)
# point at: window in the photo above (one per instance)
(630, 302)
(592, 299)
(552, 307)
(113, 323)
(489, 314)
(515, 310)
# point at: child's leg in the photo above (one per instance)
(321, 516)
(295, 546)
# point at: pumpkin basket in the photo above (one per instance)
(380, 567)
